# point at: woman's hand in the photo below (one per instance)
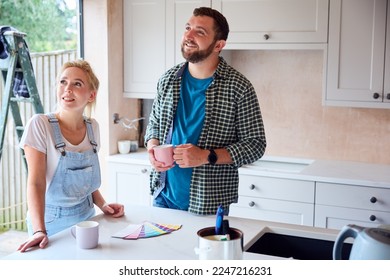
(115, 209)
(39, 238)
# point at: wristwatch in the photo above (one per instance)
(212, 158)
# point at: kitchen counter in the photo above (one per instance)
(329, 171)
(176, 245)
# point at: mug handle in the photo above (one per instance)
(73, 231)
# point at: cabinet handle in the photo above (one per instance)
(266, 36)
(388, 96)
(251, 204)
(376, 95)
(373, 199)
(372, 218)
(144, 170)
(252, 187)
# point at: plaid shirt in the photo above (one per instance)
(232, 120)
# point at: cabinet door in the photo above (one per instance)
(144, 36)
(356, 53)
(129, 183)
(275, 21)
(387, 63)
(337, 217)
(178, 13)
(273, 210)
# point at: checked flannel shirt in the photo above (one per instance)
(232, 120)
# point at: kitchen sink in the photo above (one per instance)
(293, 245)
(274, 164)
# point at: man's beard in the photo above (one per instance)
(197, 56)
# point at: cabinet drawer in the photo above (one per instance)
(336, 217)
(353, 196)
(273, 210)
(276, 188)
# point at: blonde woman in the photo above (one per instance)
(61, 152)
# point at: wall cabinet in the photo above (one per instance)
(129, 183)
(275, 199)
(144, 46)
(153, 31)
(254, 22)
(337, 205)
(358, 67)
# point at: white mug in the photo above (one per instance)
(86, 234)
(124, 146)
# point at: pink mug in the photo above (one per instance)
(164, 154)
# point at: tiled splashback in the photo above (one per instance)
(289, 85)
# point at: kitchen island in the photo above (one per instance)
(177, 245)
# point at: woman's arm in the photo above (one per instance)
(36, 189)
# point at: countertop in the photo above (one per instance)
(177, 245)
(329, 171)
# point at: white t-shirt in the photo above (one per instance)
(39, 135)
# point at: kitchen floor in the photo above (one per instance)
(10, 241)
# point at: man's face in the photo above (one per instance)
(198, 40)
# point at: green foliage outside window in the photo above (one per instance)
(49, 24)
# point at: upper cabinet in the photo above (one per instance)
(266, 24)
(152, 34)
(144, 46)
(153, 30)
(358, 68)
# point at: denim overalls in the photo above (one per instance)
(69, 196)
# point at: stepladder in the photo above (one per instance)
(18, 80)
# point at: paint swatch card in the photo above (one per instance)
(145, 230)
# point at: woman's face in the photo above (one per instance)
(73, 90)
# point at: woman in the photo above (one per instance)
(61, 153)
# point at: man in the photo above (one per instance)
(211, 114)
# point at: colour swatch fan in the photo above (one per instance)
(145, 230)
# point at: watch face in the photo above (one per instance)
(212, 157)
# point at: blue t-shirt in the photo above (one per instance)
(187, 126)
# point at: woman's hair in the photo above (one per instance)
(93, 81)
(221, 26)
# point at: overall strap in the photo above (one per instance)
(59, 143)
(90, 134)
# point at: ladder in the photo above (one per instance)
(18, 62)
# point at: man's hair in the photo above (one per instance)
(221, 26)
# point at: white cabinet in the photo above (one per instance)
(337, 205)
(358, 67)
(152, 32)
(144, 46)
(275, 199)
(152, 42)
(129, 183)
(258, 23)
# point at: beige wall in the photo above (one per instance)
(289, 85)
